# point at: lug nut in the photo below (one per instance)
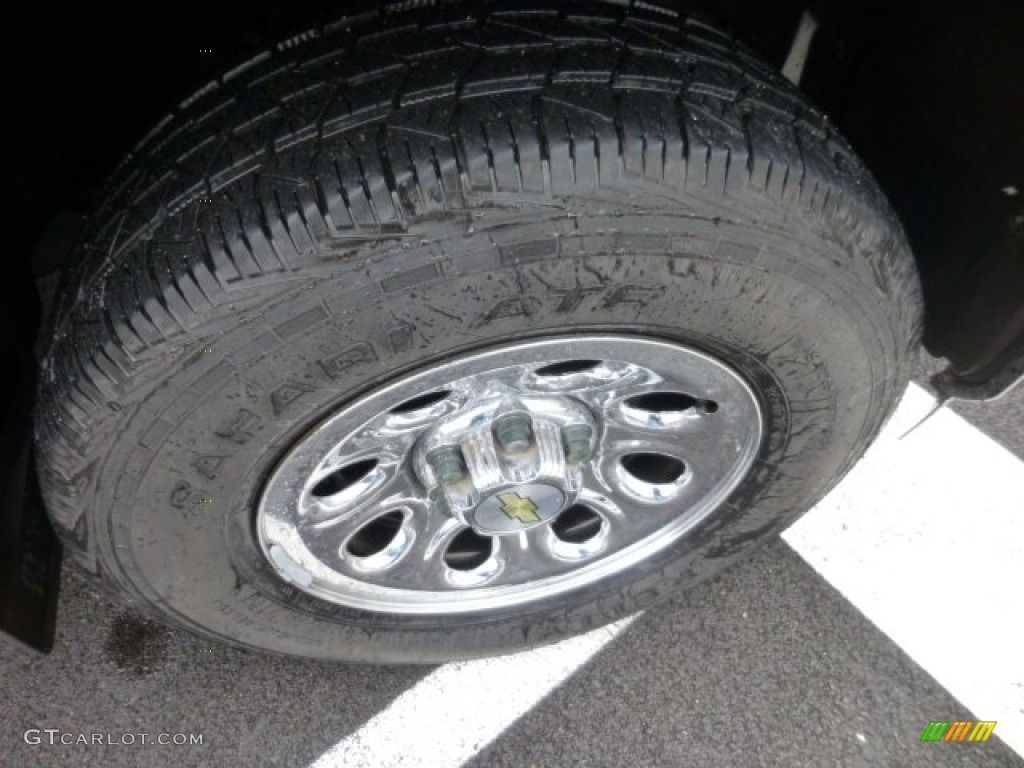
(447, 463)
(576, 440)
(441, 504)
(513, 432)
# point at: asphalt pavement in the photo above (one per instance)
(770, 663)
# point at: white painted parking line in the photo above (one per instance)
(926, 537)
(460, 708)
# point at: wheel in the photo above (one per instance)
(463, 328)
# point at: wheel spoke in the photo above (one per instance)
(693, 430)
(615, 506)
(422, 566)
(527, 553)
(386, 481)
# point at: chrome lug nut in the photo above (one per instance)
(447, 463)
(513, 432)
(576, 438)
(440, 502)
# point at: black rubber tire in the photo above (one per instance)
(427, 179)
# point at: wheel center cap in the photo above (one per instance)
(518, 509)
(508, 461)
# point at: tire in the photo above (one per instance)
(410, 188)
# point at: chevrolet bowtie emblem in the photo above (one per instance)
(519, 508)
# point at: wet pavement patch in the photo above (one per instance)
(135, 644)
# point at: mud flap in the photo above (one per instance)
(30, 553)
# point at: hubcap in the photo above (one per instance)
(507, 461)
(504, 476)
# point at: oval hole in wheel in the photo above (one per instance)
(376, 535)
(567, 367)
(661, 402)
(577, 524)
(421, 402)
(654, 468)
(344, 477)
(468, 550)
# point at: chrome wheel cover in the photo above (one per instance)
(504, 476)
